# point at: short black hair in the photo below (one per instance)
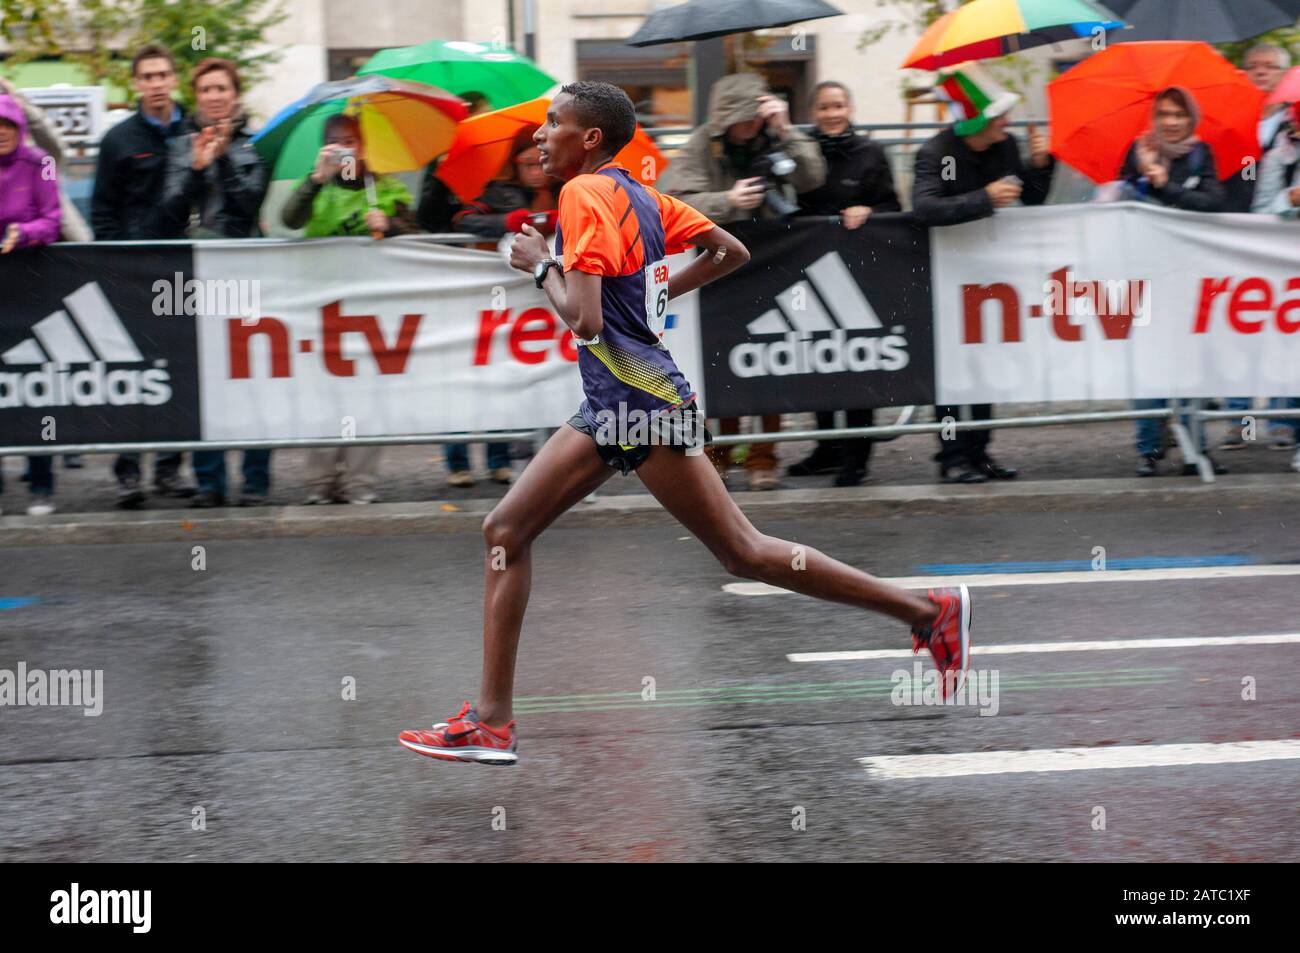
(606, 107)
(152, 51)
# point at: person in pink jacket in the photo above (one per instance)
(29, 215)
(29, 187)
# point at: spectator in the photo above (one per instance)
(521, 194)
(332, 200)
(1278, 193)
(438, 203)
(214, 187)
(125, 206)
(29, 216)
(967, 173)
(724, 172)
(73, 227)
(1265, 65)
(1170, 164)
(858, 182)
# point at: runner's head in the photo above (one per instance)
(587, 125)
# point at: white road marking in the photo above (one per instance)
(898, 767)
(1033, 648)
(1050, 578)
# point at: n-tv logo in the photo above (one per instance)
(389, 357)
(71, 350)
(823, 324)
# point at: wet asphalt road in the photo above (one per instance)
(222, 692)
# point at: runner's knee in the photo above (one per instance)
(743, 557)
(500, 530)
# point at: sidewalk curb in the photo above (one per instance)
(433, 517)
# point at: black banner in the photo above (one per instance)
(822, 318)
(88, 353)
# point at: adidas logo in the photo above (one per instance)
(89, 332)
(828, 301)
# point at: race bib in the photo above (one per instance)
(656, 295)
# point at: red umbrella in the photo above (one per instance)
(1100, 106)
(1288, 91)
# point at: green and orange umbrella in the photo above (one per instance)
(986, 29)
(404, 125)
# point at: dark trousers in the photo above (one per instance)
(853, 450)
(40, 475)
(967, 447)
(210, 471)
(127, 466)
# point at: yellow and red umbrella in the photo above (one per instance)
(986, 29)
(404, 125)
(1101, 106)
(482, 146)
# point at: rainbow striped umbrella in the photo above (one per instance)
(404, 125)
(985, 29)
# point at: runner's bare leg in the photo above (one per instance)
(565, 470)
(691, 490)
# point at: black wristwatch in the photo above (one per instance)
(542, 267)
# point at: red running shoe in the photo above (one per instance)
(463, 738)
(948, 636)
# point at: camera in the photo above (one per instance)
(773, 167)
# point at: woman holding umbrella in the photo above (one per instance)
(1170, 164)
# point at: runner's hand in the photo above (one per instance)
(747, 193)
(528, 249)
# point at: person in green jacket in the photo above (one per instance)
(333, 198)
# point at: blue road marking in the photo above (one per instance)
(16, 602)
(1084, 565)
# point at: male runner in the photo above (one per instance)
(612, 290)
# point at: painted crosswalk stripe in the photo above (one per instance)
(1050, 760)
(1002, 580)
(1034, 648)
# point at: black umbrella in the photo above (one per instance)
(702, 19)
(1214, 21)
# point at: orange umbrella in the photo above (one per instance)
(1102, 105)
(482, 145)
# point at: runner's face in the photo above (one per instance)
(560, 140)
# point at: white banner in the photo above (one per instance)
(351, 337)
(1106, 302)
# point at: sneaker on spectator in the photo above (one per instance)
(40, 506)
(1235, 440)
(247, 498)
(764, 480)
(503, 475)
(129, 494)
(1190, 469)
(173, 486)
(1147, 464)
(1284, 440)
(316, 497)
(361, 497)
(207, 499)
(460, 478)
(961, 474)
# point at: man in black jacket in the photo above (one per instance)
(967, 173)
(125, 207)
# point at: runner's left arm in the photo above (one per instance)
(709, 266)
